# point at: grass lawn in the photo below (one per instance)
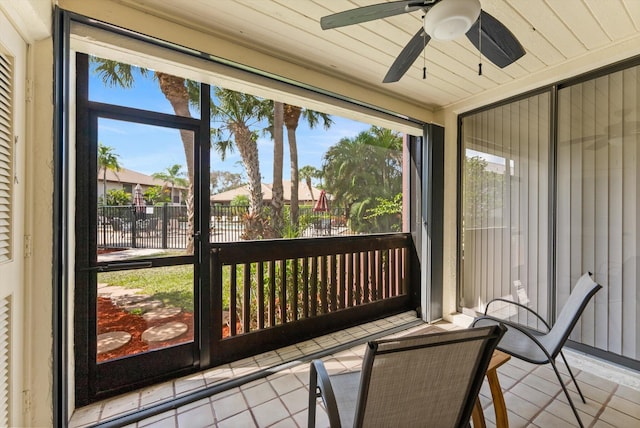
(173, 285)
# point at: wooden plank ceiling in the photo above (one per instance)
(551, 32)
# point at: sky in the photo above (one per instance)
(149, 149)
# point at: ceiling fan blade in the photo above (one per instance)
(369, 13)
(499, 45)
(407, 57)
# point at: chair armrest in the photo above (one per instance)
(319, 379)
(518, 327)
(498, 299)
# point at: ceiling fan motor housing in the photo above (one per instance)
(450, 19)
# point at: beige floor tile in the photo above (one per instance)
(532, 395)
(163, 420)
(296, 400)
(156, 393)
(197, 417)
(241, 420)
(119, 405)
(618, 419)
(266, 414)
(520, 406)
(625, 406)
(563, 411)
(546, 419)
(285, 423)
(190, 383)
(86, 415)
(286, 382)
(259, 394)
(229, 406)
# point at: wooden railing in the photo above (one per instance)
(287, 284)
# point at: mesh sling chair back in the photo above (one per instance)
(427, 380)
(543, 347)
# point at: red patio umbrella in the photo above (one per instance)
(322, 205)
(138, 200)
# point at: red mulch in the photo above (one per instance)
(113, 318)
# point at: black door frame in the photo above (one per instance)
(95, 381)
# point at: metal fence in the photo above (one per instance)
(166, 226)
(132, 226)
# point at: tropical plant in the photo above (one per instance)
(292, 116)
(156, 194)
(240, 201)
(239, 116)
(307, 173)
(174, 89)
(358, 170)
(172, 175)
(117, 197)
(107, 161)
(388, 212)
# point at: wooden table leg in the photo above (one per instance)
(477, 416)
(502, 419)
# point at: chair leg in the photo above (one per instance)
(313, 386)
(566, 393)
(572, 377)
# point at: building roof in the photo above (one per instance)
(267, 193)
(125, 175)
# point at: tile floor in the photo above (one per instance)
(533, 397)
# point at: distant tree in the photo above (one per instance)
(307, 173)
(292, 116)
(107, 161)
(240, 201)
(221, 181)
(172, 175)
(117, 197)
(359, 171)
(156, 194)
(240, 117)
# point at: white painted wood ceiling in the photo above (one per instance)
(551, 32)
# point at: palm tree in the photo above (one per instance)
(355, 184)
(107, 160)
(291, 118)
(172, 175)
(174, 89)
(239, 114)
(308, 172)
(277, 199)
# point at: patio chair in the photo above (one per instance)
(427, 380)
(118, 225)
(539, 347)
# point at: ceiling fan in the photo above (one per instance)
(443, 20)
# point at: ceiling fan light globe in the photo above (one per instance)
(450, 19)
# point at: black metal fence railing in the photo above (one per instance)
(132, 226)
(166, 226)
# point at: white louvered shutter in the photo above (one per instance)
(6, 156)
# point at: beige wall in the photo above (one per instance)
(31, 375)
(39, 211)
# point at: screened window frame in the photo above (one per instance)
(552, 239)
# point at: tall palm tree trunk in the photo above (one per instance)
(277, 199)
(248, 148)
(175, 91)
(291, 118)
